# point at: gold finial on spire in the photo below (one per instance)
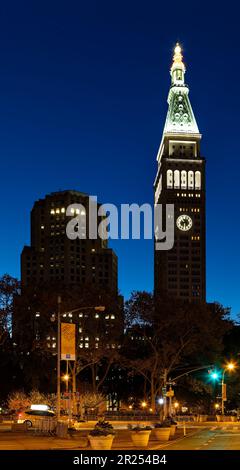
(177, 58)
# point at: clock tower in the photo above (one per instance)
(180, 180)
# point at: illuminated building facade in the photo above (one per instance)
(180, 180)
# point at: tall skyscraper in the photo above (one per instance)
(53, 258)
(180, 180)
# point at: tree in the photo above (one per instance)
(89, 400)
(163, 335)
(18, 401)
(9, 287)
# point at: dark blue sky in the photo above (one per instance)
(83, 88)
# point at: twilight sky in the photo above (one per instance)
(83, 88)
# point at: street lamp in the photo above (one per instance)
(98, 308)
(66, 378)
(144, 404)
(229, 367)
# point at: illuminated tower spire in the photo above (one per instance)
(180, 117)
(178, 68)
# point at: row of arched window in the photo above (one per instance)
(183, 179)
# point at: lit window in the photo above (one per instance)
(96, 315)
(80, 330)
(197, 180)
(86, 345)
(57, 211)
(190, 180)
(96, 345)
(42, 227)
(37, 314)
(87, 338)
(80, 315)
(83, 212)
(54, 345)
(112, 317)
(106, 317)
(63, 210)
(81, 345)
(176, 179)
(169, 179)
(52, 211)
(77, 211)
(183, 179)
(93, 250)
(70, 315)
(72, 210)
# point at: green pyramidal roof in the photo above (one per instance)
(180, 117)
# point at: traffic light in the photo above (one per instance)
(214, 374)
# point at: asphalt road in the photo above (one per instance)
(214, 438)
(200, 438)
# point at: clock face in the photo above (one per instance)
(184, 222)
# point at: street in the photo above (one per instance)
(213, 437)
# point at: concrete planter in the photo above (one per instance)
(203, 418)
(162, 434)
(173, 429)
(101, 442)
(140, 438)
(219, 418)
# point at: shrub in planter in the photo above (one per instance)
(140, 435)
(162, 431)
(169, 421)
(101, 437)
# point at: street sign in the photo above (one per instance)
(170, 393)
(224, 392)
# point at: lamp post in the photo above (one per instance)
(59, 300)
(99, 308)
(231, 366)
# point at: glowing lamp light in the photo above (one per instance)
(216, 406)
(144, 404)
(161, 401)
(230, 366)
(66, 377)
(176, 404)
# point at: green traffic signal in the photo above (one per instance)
(214, 375)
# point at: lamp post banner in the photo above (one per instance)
(68, 342)
(224, 392)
